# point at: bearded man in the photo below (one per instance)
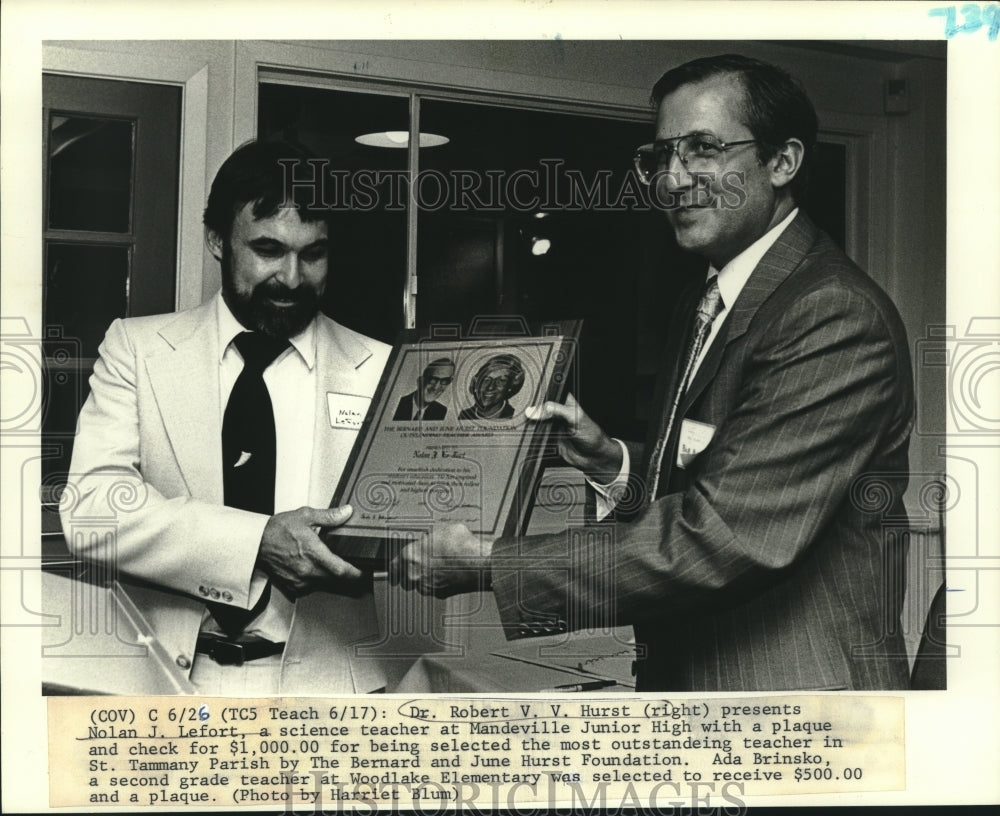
(222, 425)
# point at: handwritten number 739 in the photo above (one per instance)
(974, 17)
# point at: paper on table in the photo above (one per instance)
(606, 656)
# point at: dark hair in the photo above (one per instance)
(440, 362)
(256, 174)
(775, 108)
(511, 363)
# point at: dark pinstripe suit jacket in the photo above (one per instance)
(764, 564)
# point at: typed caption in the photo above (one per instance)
(332, 754)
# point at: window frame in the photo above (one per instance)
(258, 63)
(864, 137)
(193, 77)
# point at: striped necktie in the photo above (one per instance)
(708, 309)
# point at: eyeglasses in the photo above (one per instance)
(698, 152)
(438, 381)
(501, 379)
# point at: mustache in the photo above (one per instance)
(277, 290)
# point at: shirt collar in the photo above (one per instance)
(735, 274)
(304, 342)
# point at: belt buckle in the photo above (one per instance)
(228, 653)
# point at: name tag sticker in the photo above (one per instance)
(695, 437)
(347, 410)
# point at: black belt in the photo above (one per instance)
(237, 651)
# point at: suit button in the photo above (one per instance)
(227, 596)
(183, 662)
(203, 590)
(214, 593)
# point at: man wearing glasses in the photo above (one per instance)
(744, 539)
(422, 404)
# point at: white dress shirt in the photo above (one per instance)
(732, 278)
(291, 384)
(418, 409)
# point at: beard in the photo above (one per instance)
(257, 312)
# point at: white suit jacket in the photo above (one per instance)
(147, 473)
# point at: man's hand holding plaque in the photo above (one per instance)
(451, 561)
(582, 443)
(295, 558)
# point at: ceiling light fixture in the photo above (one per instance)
(539, 246)
(399, 139)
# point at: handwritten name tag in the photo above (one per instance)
(347, 410)
(694, 438)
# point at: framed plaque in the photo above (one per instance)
(445, 439)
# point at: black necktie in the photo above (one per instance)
(708, 309)
(249, 453)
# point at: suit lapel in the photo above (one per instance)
(341, 361)
(776, 265)
(185, 383)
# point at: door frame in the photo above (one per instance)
(193, 77)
